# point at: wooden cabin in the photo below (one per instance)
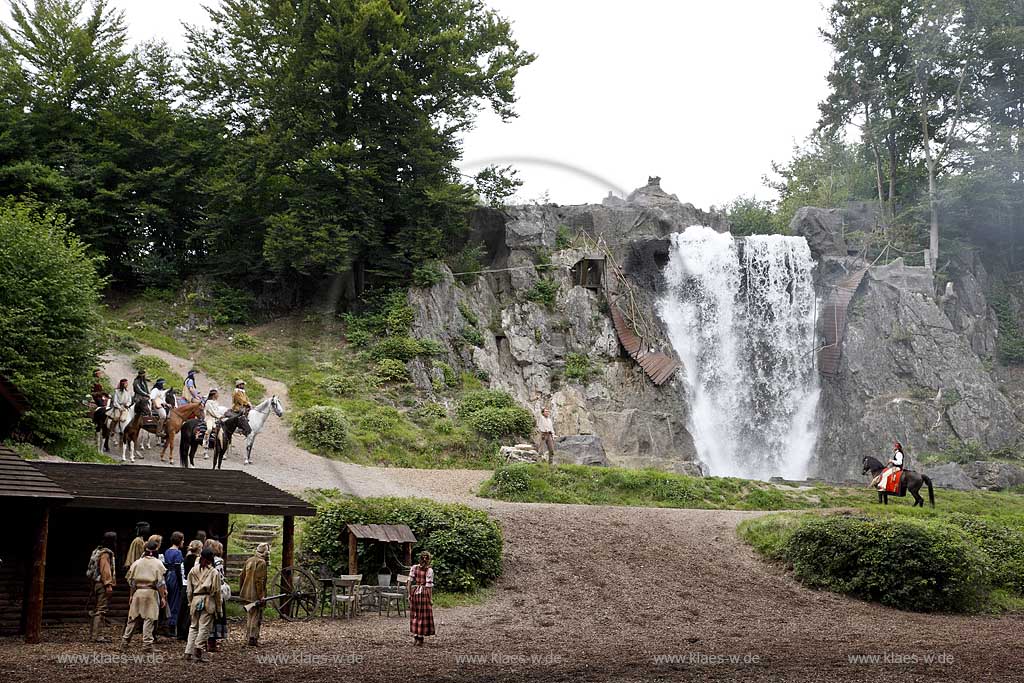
(100, 498)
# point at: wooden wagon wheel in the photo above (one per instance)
(299, 597)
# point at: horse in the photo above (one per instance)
(193, 433)
(131, 433)
(116, 427)
(912, 482)
(223, 433)
(258, 418)
(99, 421)
(172, 425)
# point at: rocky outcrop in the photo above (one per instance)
(906, 373)
(582, 449)
(822, 228)
(949, 475)
(979, 474)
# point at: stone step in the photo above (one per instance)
(266, 527)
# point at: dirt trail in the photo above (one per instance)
(588, 593)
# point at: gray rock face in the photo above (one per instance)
(994, 476)
(582, 449)
(906, 374)
(823, 229)
(949, 476)
(518, 453)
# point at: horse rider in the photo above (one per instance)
(894, 464)
(158, 402)
(192, 394)
(121, 402)
(240, 400)
(212, 412)
(99, 396)
(140, 387)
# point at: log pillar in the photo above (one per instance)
(287, 554)
(353, 555)
(408, 554)
(34, 608)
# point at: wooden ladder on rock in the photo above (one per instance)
(833, 317)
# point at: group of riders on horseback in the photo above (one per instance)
(133, 413)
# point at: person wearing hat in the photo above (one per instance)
(253, 590)
(158, 401)
(204, 602)
(137, 548)
(141, 386)
(212, 412)
(191, 392)
(148, 596)
(239, 399)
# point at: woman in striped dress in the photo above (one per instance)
(421, 610)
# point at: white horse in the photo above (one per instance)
(116, 428)
(258, 418)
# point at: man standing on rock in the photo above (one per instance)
(547, 433)
(253, 589)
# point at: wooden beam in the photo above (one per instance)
(287, 553)
(34, 615)
(408, 554)
(353, 556)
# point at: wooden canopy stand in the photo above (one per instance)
(378, 533)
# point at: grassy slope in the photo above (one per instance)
(388, 425)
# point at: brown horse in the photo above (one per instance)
(172, 425)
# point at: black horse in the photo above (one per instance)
(912, 482)
(99, 421)
(192, 434)
(223, 432)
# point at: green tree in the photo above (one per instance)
(49, 319)
(751, 216)
(344, 120)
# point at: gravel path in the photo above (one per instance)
(589, 593)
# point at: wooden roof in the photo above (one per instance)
(19, 479)
(387, 533)
(140, 487)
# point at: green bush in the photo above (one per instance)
(543, 292)
(398, 348)
(496, 423)
(245, 341)
(578, 367)
(472, 336)
(1004, 546)
(469, 260)
(323, 429)
(473, 401)
(391, 370)
(451, 378)
(49, 319)
(430, 411)
(469, 315)
(466, 544)
(348, 385)
(510, 481)
(563, 237)
(426, 275)
(358, 339)
(232, 306)
(902, 563)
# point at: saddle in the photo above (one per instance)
(895, 484)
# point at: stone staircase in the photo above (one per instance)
(242, 545)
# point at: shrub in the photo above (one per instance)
(1004, 546)
(472, 401)
(907, 564)
(381, 419)
(231, 306)
(468, 261)
(466, 544)
(451, 379)
(563, 237)
(348, 385)
(426, 275)
(431, 411)
(323, 429)
(430, 347)
(391, 370)
(578, 367)
(245, 341)
(472, 336)
(398, 348)
(509, 481)
(49, 319)
(495, 423)
(469, 315)
(543, 292)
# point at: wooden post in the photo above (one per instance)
(408, 554)
(353, 556)
(287, 553)
(34, 616)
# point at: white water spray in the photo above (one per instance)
(740, 314)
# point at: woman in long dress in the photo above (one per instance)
(172, 561)
(421, 609)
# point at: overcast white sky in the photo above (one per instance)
(704, 94)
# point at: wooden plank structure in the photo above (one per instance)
(99, 498)
(657, 365)
(378, 533)
(26, 495)
(833, 322)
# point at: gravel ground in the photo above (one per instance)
(588, 594)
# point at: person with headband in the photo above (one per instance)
(148, 596)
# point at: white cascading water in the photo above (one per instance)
(740, 314)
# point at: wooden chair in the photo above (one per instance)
(343, 593)
(397, 596)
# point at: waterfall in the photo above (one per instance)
(740, 314)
